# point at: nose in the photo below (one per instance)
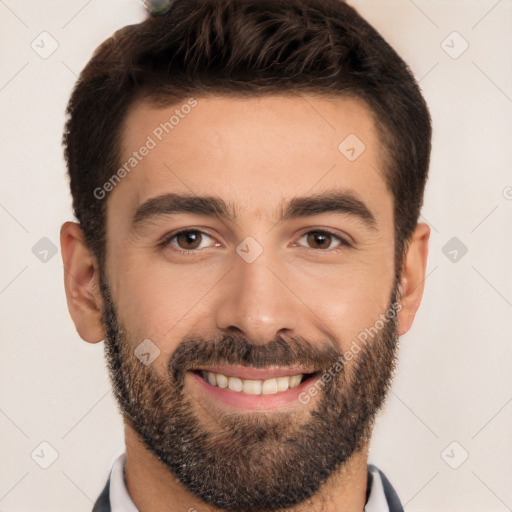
(257, 301)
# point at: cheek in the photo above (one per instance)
(158, 301)
(352, 299)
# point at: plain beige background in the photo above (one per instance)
(444, 438)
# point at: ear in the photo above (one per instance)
(413, 277)
(81, 282)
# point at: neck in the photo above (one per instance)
(153, 488)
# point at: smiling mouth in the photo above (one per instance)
(252, 386)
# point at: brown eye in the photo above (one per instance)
(322, 240)
(187, 240)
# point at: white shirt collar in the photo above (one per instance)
(377, 501)
(120, 500)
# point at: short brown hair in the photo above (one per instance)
(245, 48)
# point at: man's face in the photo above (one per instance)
(282, 288)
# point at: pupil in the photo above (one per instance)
(189, 237)
(319, 236)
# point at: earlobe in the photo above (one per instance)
(81, 283)
(412, 281)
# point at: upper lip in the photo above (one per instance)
(248, 372)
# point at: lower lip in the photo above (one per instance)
(246, 401)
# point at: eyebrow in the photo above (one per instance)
(343, 202)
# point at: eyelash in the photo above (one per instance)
(166, 241)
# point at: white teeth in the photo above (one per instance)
(269, 387)
(251, 386)
(222, 381)
(235, 384)
(282, 383)
(295, 381)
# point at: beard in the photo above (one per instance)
(251, 460)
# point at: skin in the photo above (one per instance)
(257, 154)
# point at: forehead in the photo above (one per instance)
(255, 152)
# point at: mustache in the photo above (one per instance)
(236, 349)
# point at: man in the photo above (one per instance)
(247, 176)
